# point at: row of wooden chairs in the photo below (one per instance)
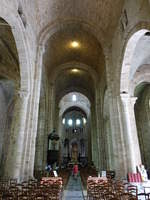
(64, 173)
(31, 190)
(99, 189)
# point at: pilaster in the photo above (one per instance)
(15, 152)
(131, 131)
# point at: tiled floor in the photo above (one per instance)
(73, 190)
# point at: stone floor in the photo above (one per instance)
(73, 190)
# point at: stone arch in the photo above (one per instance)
(139, 29)
(81, 66)
(126, 65)
(141, 76)
(55, 26)
(127, 85)
(22, 93)
(72, 105)
(17, 29)
(79, 104)
(75, 65)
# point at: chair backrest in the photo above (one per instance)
(134, 177)
(132, 189)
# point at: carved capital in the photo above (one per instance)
(127, 99)
(42, 48)
(22, 93)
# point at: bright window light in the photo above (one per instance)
(70, 122)
(84, 120)
(74, 97)
(78, 122)
(63, 121)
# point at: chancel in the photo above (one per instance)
(74, 99)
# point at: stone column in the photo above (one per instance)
(52, 107)
(94, 140)
(133, 149)
(98, 129)
(109, 143)
(88, 128)
(118, 149)
(28, 167)
(40, 141)
(35, 110)
(15, 152)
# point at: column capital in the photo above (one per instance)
(22, 93)
(126, 98)
(41, 48)
(133, 100)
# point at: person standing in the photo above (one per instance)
(75, 171)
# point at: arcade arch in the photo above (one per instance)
(135, 71)
(14, 85)
(68, 69)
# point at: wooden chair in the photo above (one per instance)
(23, 197)
(40, 198)
(8, 196)
(147, 192)
(131, 189)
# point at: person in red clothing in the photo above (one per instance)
(75, 171)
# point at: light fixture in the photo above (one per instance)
(75, 44)
(74, 130)
(75, 70)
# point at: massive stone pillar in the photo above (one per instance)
(118, 147)
(35, 111)
(29, 158)
(94, 139)
(89, 146)
(116, 134)
(40, 141)
(133, 150)
(107, 132)
(52, 108)
(13, 163)
(101, 137)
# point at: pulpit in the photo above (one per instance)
(53, 148)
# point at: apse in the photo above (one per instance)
(74, 129)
